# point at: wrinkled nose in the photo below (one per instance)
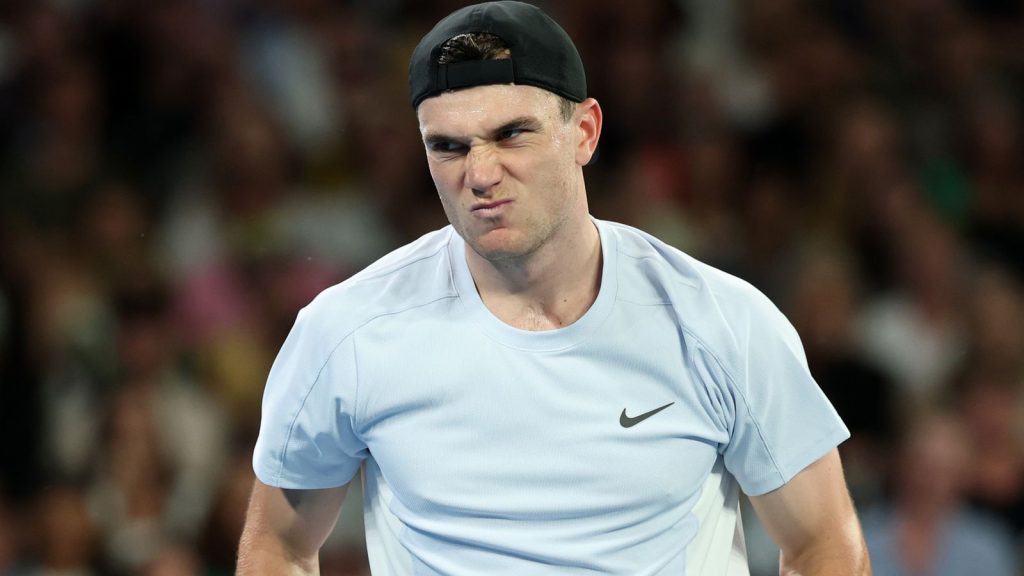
(483, 170)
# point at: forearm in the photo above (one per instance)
(843, 560)
(262, 554)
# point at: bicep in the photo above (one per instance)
(812, 512)
(299, 520)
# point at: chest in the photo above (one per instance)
(466, 424)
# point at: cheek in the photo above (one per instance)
(448, 189)
(446, 177)
(565, 142)
(558, 168)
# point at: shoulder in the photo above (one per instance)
(410, 277)
(712, 306)
(667, 263)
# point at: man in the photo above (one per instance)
(531, 390)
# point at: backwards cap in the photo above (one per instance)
(542, 54)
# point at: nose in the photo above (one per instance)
(483, 170)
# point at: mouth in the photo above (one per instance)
(489, 208)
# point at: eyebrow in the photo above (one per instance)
(519, 123)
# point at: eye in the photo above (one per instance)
(510, 133)
(446, 147)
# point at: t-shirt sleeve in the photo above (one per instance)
(307, 437)
(779, 420)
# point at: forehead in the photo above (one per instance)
(484, 107)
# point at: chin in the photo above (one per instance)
(498, 245)
(495, 252)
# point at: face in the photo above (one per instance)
(506, 167)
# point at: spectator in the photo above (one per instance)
(927, 529)
(916, 331)
(165, 440)
(992, 407)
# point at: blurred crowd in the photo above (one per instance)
(179, 177)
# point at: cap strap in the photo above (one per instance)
(475, 73)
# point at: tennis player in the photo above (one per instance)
(531, 390)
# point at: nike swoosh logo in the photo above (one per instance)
(627, 422)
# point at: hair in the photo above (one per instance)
(486, 46)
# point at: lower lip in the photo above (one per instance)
(490, 212)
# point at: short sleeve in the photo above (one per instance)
(779, 419)
(307, 438)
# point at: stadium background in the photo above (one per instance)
(178, 177)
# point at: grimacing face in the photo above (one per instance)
(505, 165)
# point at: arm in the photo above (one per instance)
(812, 520)
(284, 530)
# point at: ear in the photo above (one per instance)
(588, 129)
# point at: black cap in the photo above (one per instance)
(542, 54)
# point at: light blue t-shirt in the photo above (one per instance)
(615, 445)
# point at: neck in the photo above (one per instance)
(547, 289)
